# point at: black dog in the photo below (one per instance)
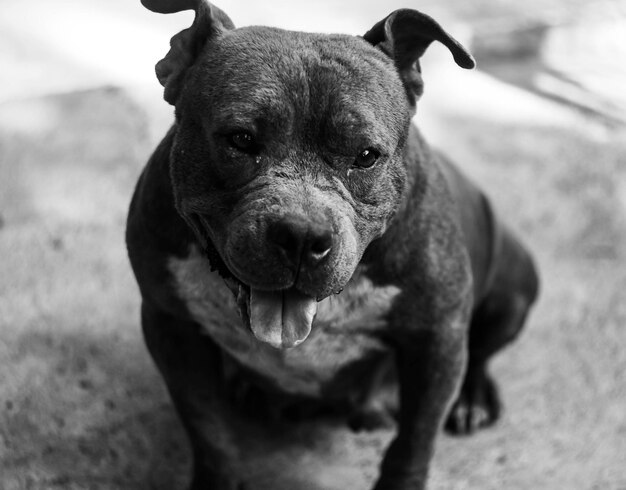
(293, 172)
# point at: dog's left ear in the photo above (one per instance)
(404, 36)
(187, 44)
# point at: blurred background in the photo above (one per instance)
(539, 124)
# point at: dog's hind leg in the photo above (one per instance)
(496, 321)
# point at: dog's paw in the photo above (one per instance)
(477, 406)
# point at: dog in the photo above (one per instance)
(293, 234)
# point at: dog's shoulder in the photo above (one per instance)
(481, 228)
(423, 249)
(154, 230)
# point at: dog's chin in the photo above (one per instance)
(281, 318)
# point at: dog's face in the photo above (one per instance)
(288, 159)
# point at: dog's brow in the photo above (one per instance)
(359, 127)
(253, 115)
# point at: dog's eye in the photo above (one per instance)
(242, 141)
(367, 158)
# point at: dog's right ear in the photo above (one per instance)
(187, 44)
(404, 36)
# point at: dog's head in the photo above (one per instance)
(289, 153)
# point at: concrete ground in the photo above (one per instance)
(81, 404)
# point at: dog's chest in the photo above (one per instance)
(345, 333)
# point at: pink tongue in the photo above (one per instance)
(281, 318)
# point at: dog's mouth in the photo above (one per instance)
(282, 318)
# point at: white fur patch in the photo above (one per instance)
(344, 330)
(360, 307)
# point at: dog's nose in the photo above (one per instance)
(301, 240)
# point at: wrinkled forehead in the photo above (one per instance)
(277, 72)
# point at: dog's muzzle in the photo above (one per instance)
(276, 311)
(284, 318)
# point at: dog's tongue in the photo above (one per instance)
(281, 318)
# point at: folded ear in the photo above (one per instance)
(404, 36)
(186, 45)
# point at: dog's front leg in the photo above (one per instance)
(191, 365)
(430, 368)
